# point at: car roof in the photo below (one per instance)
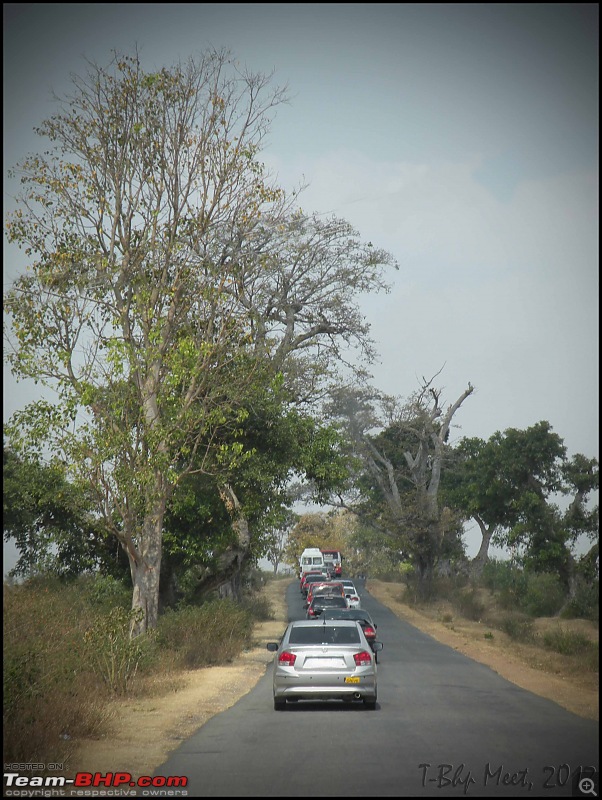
(317, 622)
(350, 613)
(330, 583)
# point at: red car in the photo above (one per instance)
(323, 588)
(309, 578)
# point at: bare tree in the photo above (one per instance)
(402, 451)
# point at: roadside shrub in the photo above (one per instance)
(203, 635)
(567, 642)
(497, 575)
(259, 607)
(113, 656)
(506, 580)
(107, 592)
(469, 605)
(544, 595)
(50, 694)
(513, 590)
(585, 604)
(518, 626)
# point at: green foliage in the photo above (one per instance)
(508, 483)
(106, 592)
(280, 444)
(585, 603)
(507, 580)
(48, 519)
(544, 595)
(536, 594)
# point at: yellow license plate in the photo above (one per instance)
(352, 680)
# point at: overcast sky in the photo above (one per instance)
(463, 138)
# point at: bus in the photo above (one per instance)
(333, 560)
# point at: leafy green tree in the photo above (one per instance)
(279, 445)
(508, 485)
(48, 520)
(167, 275)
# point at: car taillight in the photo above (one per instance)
(287, 659)
(363, 659)
(369, 632)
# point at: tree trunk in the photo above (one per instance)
(145, 568)
(482, 557)
(574, 579)
(227, 578)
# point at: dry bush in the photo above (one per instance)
(212, 633)
(50, 694)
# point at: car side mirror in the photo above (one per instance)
(376, 646)
(272, 646)
(318, 611)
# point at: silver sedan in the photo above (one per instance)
(326, 659)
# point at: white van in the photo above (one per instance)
(311, 558)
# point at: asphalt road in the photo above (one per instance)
(444, 726)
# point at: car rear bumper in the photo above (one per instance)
(324, 693)
(323, 686)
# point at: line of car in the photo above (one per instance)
(332, 653)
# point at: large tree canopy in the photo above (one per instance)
(167, 278)
(510, 485)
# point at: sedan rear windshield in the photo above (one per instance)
(324, 634)
(328, 602)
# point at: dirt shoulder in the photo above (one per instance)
(143, 730)
(543, 672)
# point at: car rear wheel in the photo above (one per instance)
(370, 703)
(279, 705)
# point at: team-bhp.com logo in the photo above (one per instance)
(89, 780)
